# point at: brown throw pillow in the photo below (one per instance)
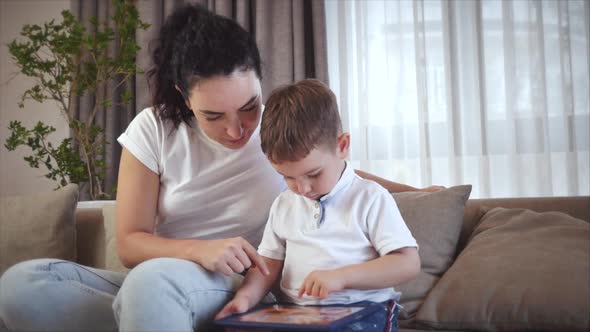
(435, 221)
(521, 270)
(38, 226)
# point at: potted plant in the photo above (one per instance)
(67, 61)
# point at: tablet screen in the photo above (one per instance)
(300, 315)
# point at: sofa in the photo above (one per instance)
(502, 264)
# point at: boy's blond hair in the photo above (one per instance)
(298, 118)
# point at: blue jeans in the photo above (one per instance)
(163, 294)
(383, 320)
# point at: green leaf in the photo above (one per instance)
(65, 60)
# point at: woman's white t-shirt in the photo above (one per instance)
(207, 191)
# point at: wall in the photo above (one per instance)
(16, 177)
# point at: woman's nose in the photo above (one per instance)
(235, 130)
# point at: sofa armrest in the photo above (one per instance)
(90, 237)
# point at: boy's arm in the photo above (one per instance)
(253, 289)
(256, 285)
(386, 271)
(394, 187)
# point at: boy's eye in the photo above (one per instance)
(313, 176)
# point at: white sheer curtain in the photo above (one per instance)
(491, 93)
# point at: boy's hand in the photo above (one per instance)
(322, 283)
(237, 305)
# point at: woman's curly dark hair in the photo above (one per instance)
(196, 44)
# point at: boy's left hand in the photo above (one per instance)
(321, 283)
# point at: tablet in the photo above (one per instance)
(291, 317)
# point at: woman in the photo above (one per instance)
(194, 190)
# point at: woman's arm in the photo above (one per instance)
(394, 187)
(137, 200)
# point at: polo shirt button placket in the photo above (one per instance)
(317, 214)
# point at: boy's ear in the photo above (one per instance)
(343, 144)
(183, 97)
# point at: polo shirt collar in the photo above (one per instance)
(346, 178)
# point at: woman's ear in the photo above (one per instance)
(343, 144)
(186, 101)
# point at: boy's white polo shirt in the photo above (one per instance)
(356, 222)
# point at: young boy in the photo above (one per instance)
(336, 237)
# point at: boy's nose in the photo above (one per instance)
(303, 188)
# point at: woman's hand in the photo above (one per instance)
(322, 283)
(432, 189)
(228, 256)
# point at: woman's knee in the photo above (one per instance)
(47, 294)
(159, 277)
(151, 285)
(21, 277)
(21, 284)
(185, 291)
(155, 275)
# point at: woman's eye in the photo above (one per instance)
(313, 176)
(213, 118)
(251, 109)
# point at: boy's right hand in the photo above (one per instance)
(237, 305)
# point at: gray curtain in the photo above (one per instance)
(115, 119)
(290, 34)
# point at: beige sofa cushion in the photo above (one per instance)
(435, 221)
(521, 270)
(112, 261)
(38, 226)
